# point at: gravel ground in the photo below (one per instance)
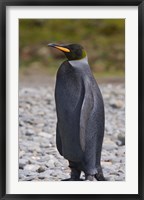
(39, 159)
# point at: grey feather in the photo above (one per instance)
(80, 114)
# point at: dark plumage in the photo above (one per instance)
(80, 114)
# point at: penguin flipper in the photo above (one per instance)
(84, 117)
(91, 127)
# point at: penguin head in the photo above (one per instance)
(71, 51)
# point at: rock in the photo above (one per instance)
(121, 138)
(22, 163)
(45, 174)
(22, 176)
(106, 163)
(41, 169)
(109, 145)
(29, 178)
(44, 134)
(29, 132)
(21, 153)
(31, 167)
(116, 103)
(51, 164)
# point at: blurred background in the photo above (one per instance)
(103, 39)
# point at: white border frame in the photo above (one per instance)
(13, 14)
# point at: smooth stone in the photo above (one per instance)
(44, 134)
(21, 175)
(109, 145)
(116, 104)
(29, 132)
(41, 169)
(31, 167)
(45, 174)
(121, 138)
(29, 178)
(21, 153)
(22, 163)
(51, 164)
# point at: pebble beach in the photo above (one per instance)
(39, 159)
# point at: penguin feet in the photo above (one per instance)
(75, 174)
(100, 177)
(89, 177)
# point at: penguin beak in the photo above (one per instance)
(60, 47)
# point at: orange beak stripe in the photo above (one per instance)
(62, 49)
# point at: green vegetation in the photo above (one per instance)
(102, 38)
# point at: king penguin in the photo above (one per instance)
(80, 114)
